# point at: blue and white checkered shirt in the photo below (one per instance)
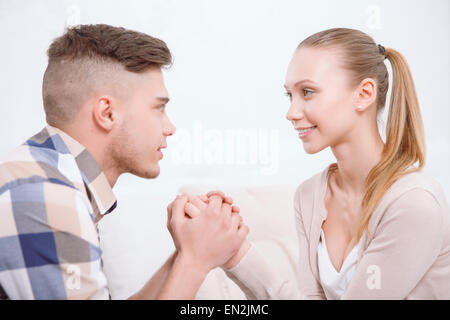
(52, 194)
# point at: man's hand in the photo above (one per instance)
(243, 249)
(205, 232)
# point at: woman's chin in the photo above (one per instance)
(311, 148)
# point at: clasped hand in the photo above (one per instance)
(207, 231)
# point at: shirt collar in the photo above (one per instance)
(99, 190)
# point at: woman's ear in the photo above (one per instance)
(366, 94)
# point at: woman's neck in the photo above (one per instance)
(355, 158)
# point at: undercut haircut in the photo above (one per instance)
(88, 58)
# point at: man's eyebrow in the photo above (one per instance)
(163, 99)
(301, 82)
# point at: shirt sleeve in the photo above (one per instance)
(405, 245)
(49, 246)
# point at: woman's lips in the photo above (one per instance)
(304, 132)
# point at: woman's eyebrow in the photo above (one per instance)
(301, 82)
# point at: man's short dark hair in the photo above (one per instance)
(91, 53)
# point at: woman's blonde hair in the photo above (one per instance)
(405, 139)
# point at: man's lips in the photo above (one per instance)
(160, 152)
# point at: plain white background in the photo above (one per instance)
(226, 86)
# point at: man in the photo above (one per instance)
(104, 100)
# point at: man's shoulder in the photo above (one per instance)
(19, 166)
(33, 201)
(28, 164)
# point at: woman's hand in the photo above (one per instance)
(234, 260)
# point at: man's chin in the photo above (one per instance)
(152, 174)
(147, 173)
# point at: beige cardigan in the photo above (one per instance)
(405, 255)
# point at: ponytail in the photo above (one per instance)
(405, 138)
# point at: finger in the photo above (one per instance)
(204, 198)
(215, 205)
(215, 192)
(226, 209)
(225, 215)
(196, 201)
(228, 200)
(169, 208)
(169, 214)
(235, 222)
(188, 196)
(191, 210)
(225, 198)
(235, 209)
(243, 231)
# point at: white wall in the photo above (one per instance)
(230, 62)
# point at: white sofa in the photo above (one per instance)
(129, 245)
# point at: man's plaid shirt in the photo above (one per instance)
(52, 194)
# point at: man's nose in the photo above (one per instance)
(169, 129)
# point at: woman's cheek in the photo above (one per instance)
(312, 114)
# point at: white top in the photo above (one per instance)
(335, 283)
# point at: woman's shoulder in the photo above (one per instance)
(415, 202)
(414, 197)
(417, 182)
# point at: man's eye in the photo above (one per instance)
(162, 107)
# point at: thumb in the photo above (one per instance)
(178, 207)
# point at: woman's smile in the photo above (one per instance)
(305, 131)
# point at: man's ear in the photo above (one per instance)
(103, 113)
(366, 94)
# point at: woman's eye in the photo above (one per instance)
(307, 92)
(161, 107)
(288, 94)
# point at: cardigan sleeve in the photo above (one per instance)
(406, 243)
(258, 280)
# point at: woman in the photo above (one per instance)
(372, 225)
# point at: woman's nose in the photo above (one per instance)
(294, 113)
